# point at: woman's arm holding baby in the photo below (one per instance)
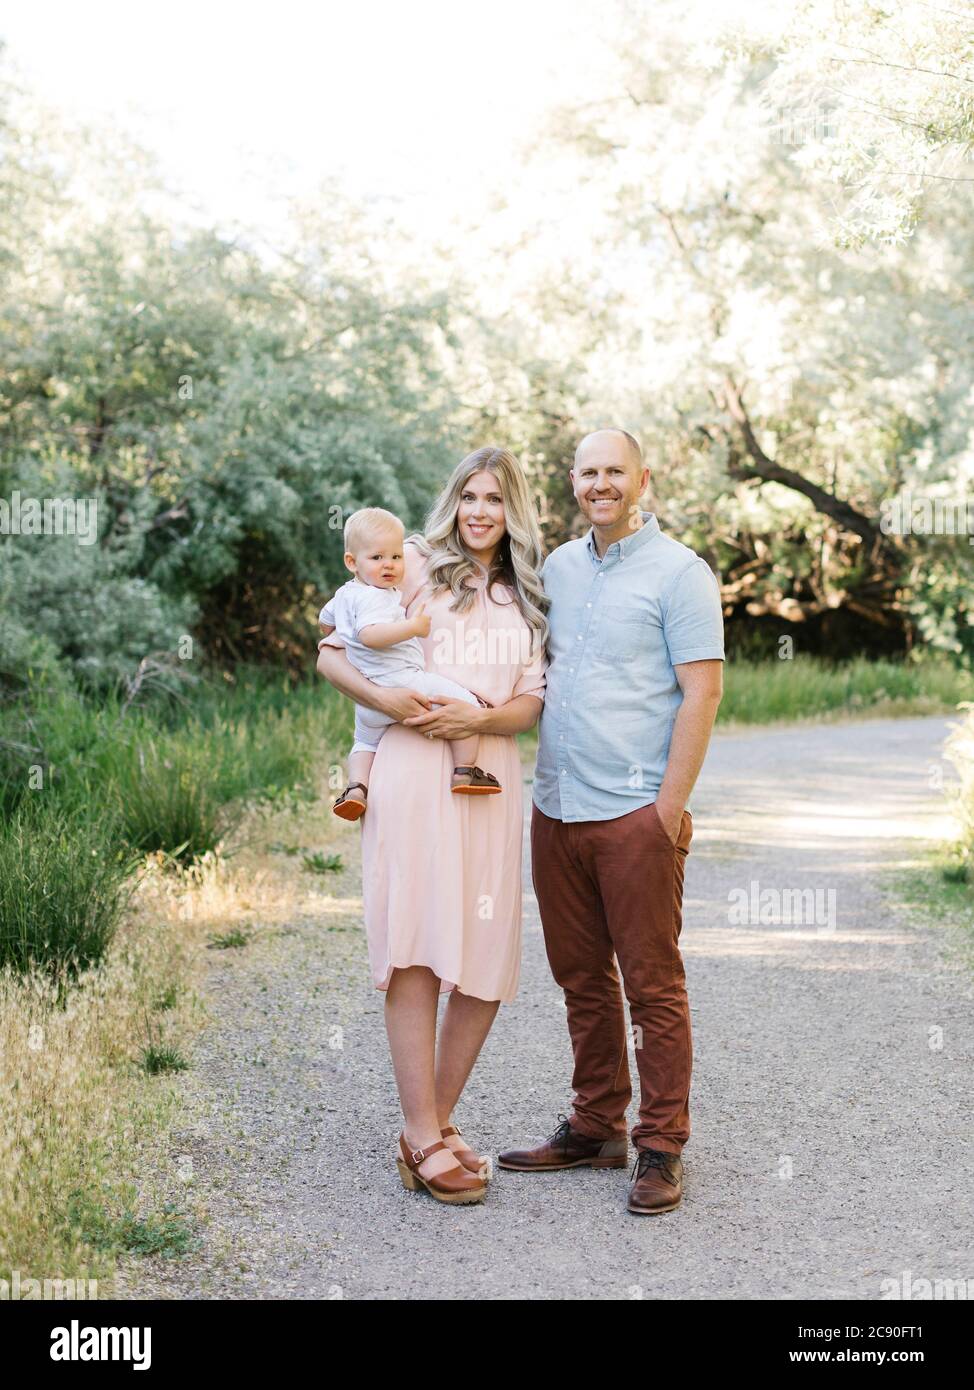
(516, 717)
(456, 719)
(395, 701)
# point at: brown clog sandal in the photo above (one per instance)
(475, 782)
(455, 1185)
(351, 807)
(473, 1162)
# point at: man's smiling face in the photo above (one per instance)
(608, 481)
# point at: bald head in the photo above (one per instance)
(594, 442)
(608, 479)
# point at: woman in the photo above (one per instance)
(442, 873)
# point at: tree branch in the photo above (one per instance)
(770, 472)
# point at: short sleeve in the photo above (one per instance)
(693, 625)
(327, 616)
(533, 680)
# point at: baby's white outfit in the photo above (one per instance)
(353, 607)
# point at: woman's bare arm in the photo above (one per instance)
(395, 701)
(518, 715)
(457, 719)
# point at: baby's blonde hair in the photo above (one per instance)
(366, 523)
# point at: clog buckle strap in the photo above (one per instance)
(417, 1155)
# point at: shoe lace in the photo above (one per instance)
(650, 1158)
(562, 1135)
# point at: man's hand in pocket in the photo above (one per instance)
(671, 819)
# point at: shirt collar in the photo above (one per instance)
(628, 544)
(362, 585)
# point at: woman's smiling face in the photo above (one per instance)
(480, 515)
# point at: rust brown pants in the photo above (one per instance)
(607, 890)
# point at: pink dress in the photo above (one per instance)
(442, 873)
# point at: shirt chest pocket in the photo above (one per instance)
(620, 633)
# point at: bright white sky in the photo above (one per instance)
(416, 98)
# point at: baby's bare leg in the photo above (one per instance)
(359, 767)
(464, 751)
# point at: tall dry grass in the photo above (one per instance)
(82, 1122)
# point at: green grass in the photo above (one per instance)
(228, 941)
(319, 863)
(959, 749)
(941, 891)
(160, 1233)
(88, 788)
(64, 879)
(156, 1060)
(768, 692)
(168, 998)
(180, 778)
(100, 784)
(938, 900)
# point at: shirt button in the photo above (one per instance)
(564, 703)
(564, 773)
(588, 605)
(578, 636)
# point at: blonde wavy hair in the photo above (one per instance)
(449, 565)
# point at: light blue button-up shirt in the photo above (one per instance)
(619, 623)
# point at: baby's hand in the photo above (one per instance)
(421, 621)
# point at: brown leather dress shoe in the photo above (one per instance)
(566, 1148)
(657, 1182)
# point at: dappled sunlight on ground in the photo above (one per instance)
(802, 869)
(780, 941)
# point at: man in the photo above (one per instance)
(635, 677)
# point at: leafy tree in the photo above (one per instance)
(880, 100)
(226, 411)
(786, 387)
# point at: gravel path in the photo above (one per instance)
(831, 1134)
